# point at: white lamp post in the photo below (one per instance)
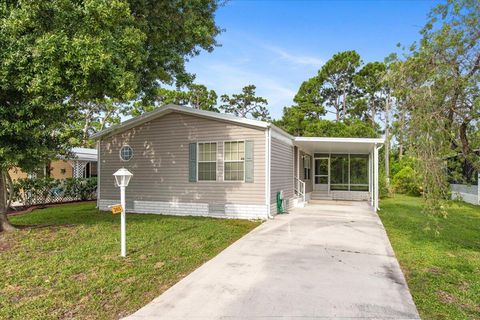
(122, 177)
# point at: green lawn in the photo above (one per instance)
(442, 269)
(65, 262)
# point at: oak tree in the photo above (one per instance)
(60, 56)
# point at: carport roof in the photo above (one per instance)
(337, 145)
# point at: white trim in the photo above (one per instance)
(372, 193)
(293, 171)
(267, 188)
(232, 210)
(268, 159)
(309, 158)
(223, 160)
(335, 139)
(375, 181)
(84, 154)
(282, 132)
(216, 160)
(277, 135)
(98, 171)
(321, 175)
(369, 173)
(298, 162)
(120, 153)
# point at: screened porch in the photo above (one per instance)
(337, 168)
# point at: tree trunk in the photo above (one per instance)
(4, 223)
(400, 134)
(387, 142)
(88, 119)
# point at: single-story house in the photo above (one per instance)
(193, 162)
(82, 163)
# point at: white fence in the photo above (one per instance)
(467, 193)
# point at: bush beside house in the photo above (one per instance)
(406, 181)
(48, 190)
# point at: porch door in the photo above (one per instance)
(322, 174)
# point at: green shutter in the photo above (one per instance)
(249, 161)
(192, 162)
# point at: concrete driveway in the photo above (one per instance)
(327, 260)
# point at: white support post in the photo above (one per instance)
(370, 179)
(478, 188)
(123, 251)
(298, 163)
(375, 180)
(268, 151)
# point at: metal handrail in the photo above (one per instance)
(300, 188)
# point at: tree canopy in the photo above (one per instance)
(65, 58)
(246, 104)
(340, 88)
(437, 85)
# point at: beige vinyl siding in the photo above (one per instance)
(160, 162)
(56, 169)
(281, 174)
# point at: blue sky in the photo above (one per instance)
(276, 45)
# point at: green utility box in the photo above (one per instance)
(280, 203)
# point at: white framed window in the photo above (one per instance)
(207, 161)
(306, 167)
(126, 153)
(234, 161)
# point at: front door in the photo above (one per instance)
(322, 174)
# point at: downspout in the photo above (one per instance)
(268, 152)
(376, 181)
(98, 173)
(478, 188)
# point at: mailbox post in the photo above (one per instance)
(122, 178)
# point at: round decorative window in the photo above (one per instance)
(126, 153)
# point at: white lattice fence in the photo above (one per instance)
(32, 192)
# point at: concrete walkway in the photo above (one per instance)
(328, 260)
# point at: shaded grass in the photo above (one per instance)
(64, 261)
(440, 259)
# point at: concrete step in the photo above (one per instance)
(330, 201)
(320, 196)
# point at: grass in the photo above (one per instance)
(441, 263)
(64, 261)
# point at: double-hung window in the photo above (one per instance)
(207, 161)
(234, 161)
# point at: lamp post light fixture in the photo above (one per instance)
(122, 178)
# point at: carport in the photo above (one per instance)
(340, 168)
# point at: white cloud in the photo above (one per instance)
(295, 58)
(242, 60)
(228, 78)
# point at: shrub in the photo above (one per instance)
(82, 188)
(406, 181)
(398, 164)
(48, 190)
(383, 191)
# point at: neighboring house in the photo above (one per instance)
(193, 162)
(82, 164)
